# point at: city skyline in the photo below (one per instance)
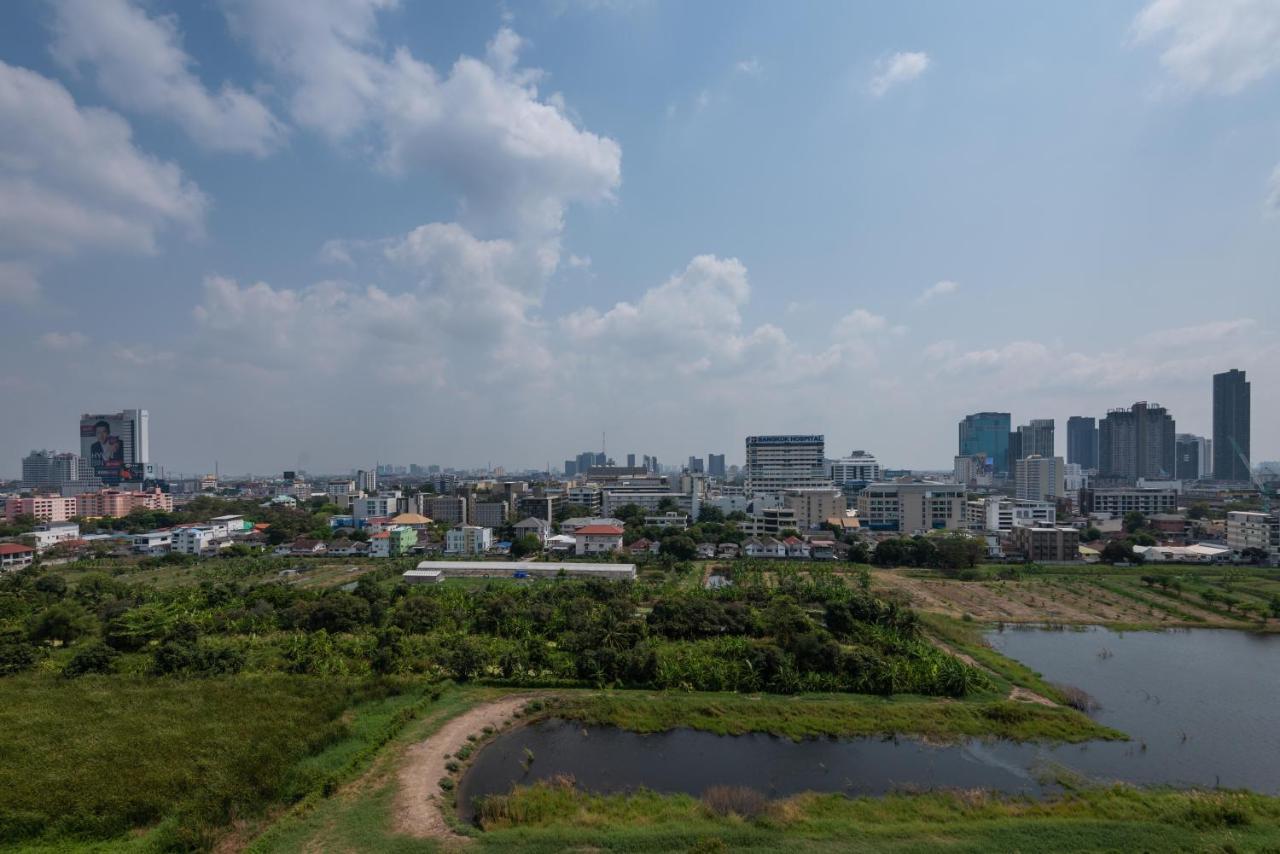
(470, 233)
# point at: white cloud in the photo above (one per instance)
(18, 283)
(1176, 354)
(1218, 46)
(63, 341)
(71, 177)
(750, 67)
(517, 160)
(860, 322)
(139, 63)
(901, 67)
(942, 288)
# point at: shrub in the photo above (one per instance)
(96, 657)
(741, 801)
(446, 783)
(1077, 698)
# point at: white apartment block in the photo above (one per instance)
(997, 513)
(1040, 478)
(1248, 529)
(778, 463)
(1114, 503)
(376, 506)
(468, 540)
(858, 467)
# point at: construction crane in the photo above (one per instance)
(1267, 494)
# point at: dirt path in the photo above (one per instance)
(420, 804)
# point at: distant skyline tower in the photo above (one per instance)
(1231, 412)
(1137, 442)
(631, 461)
(715, 465)
(1082, 441)
(987, 434)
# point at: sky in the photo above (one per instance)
(326, 234)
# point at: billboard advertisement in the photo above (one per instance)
(103, 440)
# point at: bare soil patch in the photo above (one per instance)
(421, 806)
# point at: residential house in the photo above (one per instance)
(597, 539)
(15, 556)
(535, 527)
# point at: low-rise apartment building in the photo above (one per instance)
(1249, 529)
(468, 540)
(1117, 501)
(15, 556)
(912, 507)
(1046, 542)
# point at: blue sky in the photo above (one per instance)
(323, 234)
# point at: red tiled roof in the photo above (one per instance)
(600, 530)
(14, 549)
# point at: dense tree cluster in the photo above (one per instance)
(806, 632)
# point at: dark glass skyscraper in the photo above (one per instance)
(1082, 441)
(987, 433)
(1231, 458)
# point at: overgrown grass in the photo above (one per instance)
(101, 758)
(551, 817)
(830, 715)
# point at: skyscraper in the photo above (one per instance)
(1082, 441)
(715, 465)
(1188, 464)
(631, 461)
(1040, 478)
(1137, 442)
(987, 434)
(1231, 458)
(1033, 439)
(695, 465)
(116, 447)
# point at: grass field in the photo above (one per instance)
(556, 818)
(1101, 597)
(178, 762)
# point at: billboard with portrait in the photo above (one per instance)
(102, 446)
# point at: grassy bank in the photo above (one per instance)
(831, 715)
(553, 817)
(179, 761)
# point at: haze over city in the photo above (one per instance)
(471, 234)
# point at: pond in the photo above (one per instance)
(1202, 708)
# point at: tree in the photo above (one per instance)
(680, 547)
(958, 551)
(52, 585)
(525, 545)
(1090, 534)
(1120, 551)
(859, 553)
(16, 653)
(710, 513)
(61, 623)
(1134, 521)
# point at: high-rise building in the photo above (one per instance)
(49, 468)
(1035, 438)
(987, 433)
(570, 468)
(1040, 478)
(1191, 459)
(779, 463)
(1038, 438)
(1231, 406)
(631, 461)
(117, 447)
(715, 465)
(1137, 443)
(1082, 441)
(695, 465)
(367, 481)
